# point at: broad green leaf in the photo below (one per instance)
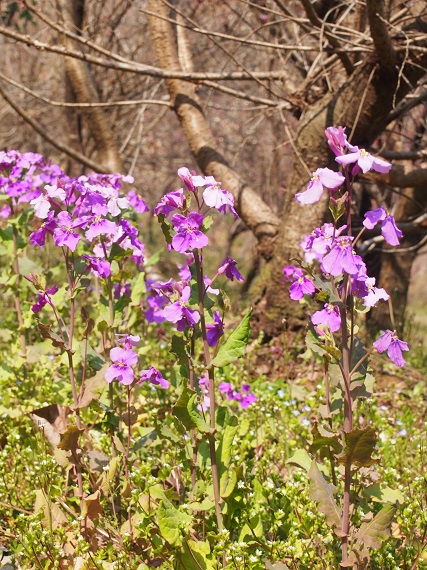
(223, 452)
(195, 556)
(235, 345)
(95, 360)
(178, 348)
(153, 259)
(384, 494)
(229, 480)
(251, 528)
(323, 493)
(148, 436)
(301, 459)
(169, 522)
(325, 439)
(138, 289)
(172, 522)
(373, 533)
(186, 411)
(359, 446)
(118, 252)
(196, 416)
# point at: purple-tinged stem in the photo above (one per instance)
(211, 438)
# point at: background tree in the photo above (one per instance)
(250, 87)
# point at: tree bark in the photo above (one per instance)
(85, 91)
(187, 105)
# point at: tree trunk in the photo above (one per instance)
(362, 103)
(85, 91)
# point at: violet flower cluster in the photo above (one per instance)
(124, 362)
(334, 250)
(88, 210)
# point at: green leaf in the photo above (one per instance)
(359, 446)
(138, 289)
(223, 452)
(166, 228)
(195, 556)
(251, 528)
(148, 436)
(172, 522)
(384, 494)
(169, 522)
(118, 252)
(301, 459)
(323, 438)
(373, 533)
(153, 259)
(323, 493)
(186, 411)
(235, 345)
(95, 360)
(179, 349)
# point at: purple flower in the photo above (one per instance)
(389, 230)
(302, 286)
(128, 340)
(329, 316)
(39, 237)
(100, 226)
(337, 139)
(230, 270)
(154, 313)
(188, 234)
(374, 294)
(245, 398)
(364, 161)
(5, 211)
(179, 313)
(122, 368)
(322, 177)
(41, 206)
(215, 197)
(64, 235)
(153, 376)
(137, 203)
(121, 290)
(388, 341)
(341, 258)
(99, 267)
(215, 330)
(170, 202)
(187, 177)
(44, 299)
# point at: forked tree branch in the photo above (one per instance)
(187, 105)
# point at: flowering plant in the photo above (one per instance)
(347, 289)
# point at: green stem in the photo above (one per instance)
(211, 438)
(18, 308)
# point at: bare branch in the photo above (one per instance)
(141, 69)
(380, 36)
(95, 166)
(406, 105)
(316, 21)
(126, 103)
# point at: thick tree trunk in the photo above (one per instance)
(362, 103)
(85, 91)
